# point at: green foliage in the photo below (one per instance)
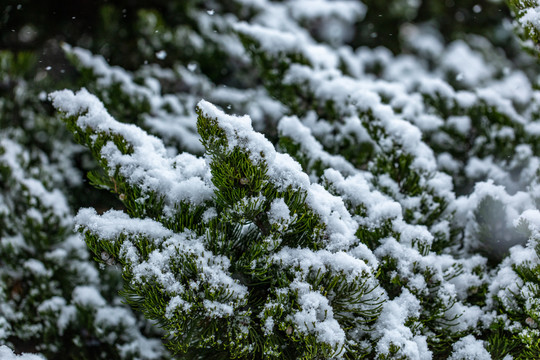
(378, 200)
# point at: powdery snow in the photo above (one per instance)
(285, 172)
(531, 17)
(391, 330)
(469, 348)
(282, 169)
(147, 166)
(468, 65)
(8, 354)
(276, 41)
(88, 296)
(316, 316)
(212, 269)
(290, 126)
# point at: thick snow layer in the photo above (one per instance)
(391, 330)
(115, 222)
(88, 296)
(183, 178)
(357, 190)
(532, 219)
(513, 206)
(276, 41)
(37, 268)
(282, 169)
(340, 226)
(469, 66)
(344, 10)
(58, 305)
(8, 354)
(307, 261)
(151, 349)
(212, 269)
(316, 316)
(279, 214)
(531, 17)
(469, 348)
(108, 317)
(330, 85)
(292, 127)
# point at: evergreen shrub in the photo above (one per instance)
(256, 179)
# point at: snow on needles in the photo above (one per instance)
(277, 41)
(393, 331)
(531, 17)
(7, 354)
(285, 172)
(169, 249)
(147, 166)
(291, 126)
(469, 348)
